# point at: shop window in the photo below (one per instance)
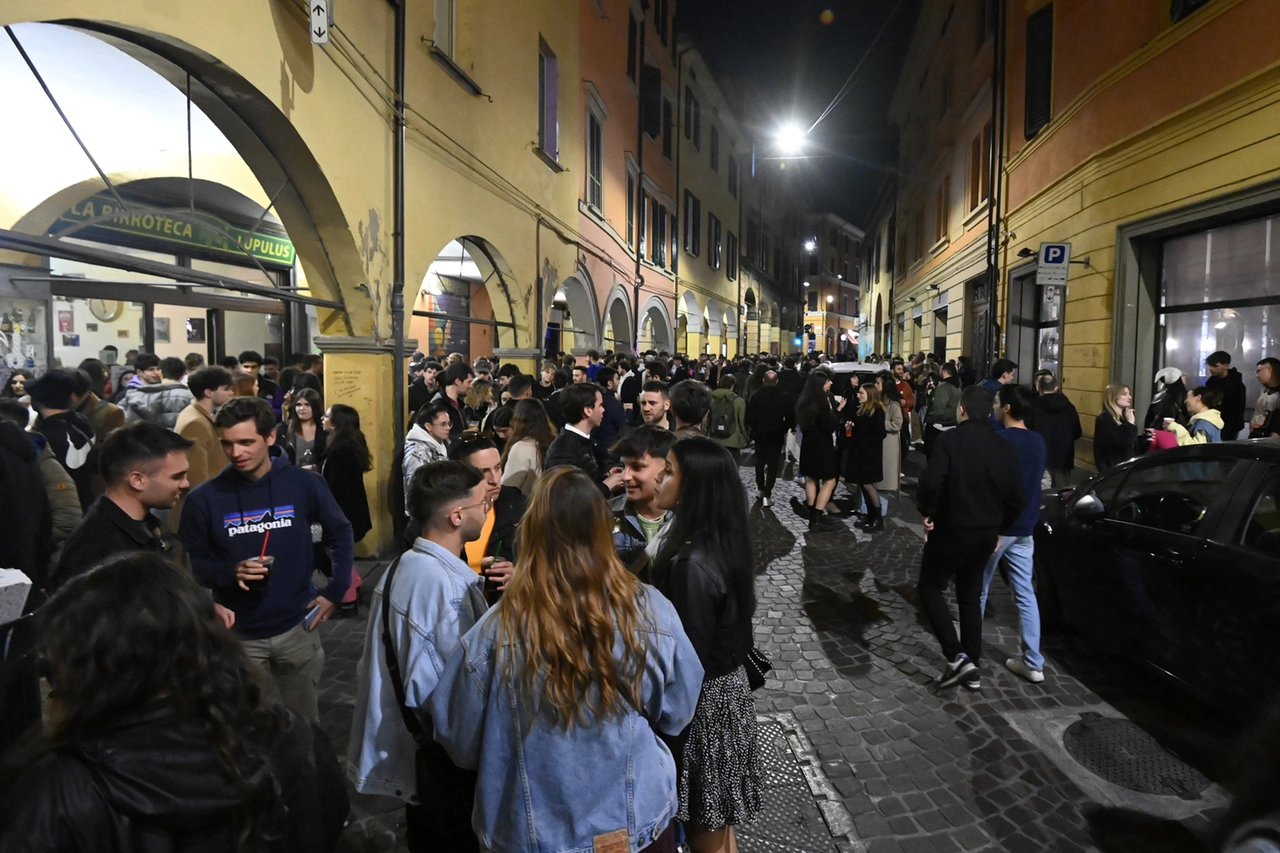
(548, 101)
(595, 163)
(1039, 80)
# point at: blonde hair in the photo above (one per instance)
(1112, 393)
(875, 401)
(569, 603)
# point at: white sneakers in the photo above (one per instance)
(1019, 667)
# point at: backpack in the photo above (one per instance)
(724, 417)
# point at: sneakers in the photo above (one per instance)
(1019, 667)
(956, 672)
(970, 681)
(766, 501)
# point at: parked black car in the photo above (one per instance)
(1174, 559)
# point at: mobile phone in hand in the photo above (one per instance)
(310, 619)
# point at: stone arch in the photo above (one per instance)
(729, 324)
(581, 328)
(468, 278)
(618, 333)
(656, 326)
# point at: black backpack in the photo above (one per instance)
(724, 417)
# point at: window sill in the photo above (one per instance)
(552, 163)
(455, 71)
(979, 213)
(939, 246)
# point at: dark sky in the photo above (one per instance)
(795, 62)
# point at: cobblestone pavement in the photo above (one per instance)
(863, 754)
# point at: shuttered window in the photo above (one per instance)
(1039, 69)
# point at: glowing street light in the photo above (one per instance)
(791, 138)
(810, 245)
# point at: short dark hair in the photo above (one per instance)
(977, 402)
(230, 362)
(82, 380)
(591, 353)
(431, 411)
(457, 371)
(690, 401)
(272, 360)
(654, 386)
(1209, 396)
(310, 361)
(1001, 367)
(728, 380)
(1017, 398)
(1047, 384)
(251, 356)
(519, 384)
(146, 361)
(578, 367)
(173, 368)
(436, 485)
(605, 375)
(14, 412)
(237, 410)
(1273, 363)
(142, 443)
(467, 446)
(1217, 358)
(647, 439)
(577, 398)
(96, 370)
(208, 379)
(194, 361)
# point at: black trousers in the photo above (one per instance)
(441, 820)
(962, 555)
(768, 461)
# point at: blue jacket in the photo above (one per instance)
(225, 520)
(544, 789)
(1031, 462)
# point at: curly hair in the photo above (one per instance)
(137, 629)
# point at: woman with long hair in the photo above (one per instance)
(477, 402)
(163, 734)
(1115, 429)
(756, 380)
(16, 385)
(559, 694)
(531, 434)
(704, 567)
(300, 434)
(246, 386)
(864, 430)
(894, 424)
(819, 463)
(346, 459)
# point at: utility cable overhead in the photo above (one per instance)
(848, 83)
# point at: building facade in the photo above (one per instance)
(832, 284)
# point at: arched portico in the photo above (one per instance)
(618, 335)
(656, 326)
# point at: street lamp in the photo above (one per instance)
(810, 245)
(790, 138)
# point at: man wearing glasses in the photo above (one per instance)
(435, 598)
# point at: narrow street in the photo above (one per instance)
(862, 754)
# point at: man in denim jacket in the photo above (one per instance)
(435, 599)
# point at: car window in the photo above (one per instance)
(1262, 531)
(1173, 496)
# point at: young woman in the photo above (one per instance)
(558, 701)
(16, 385)
(300, 435)
(864, 460)
(704, 569)
(819, 464)
(531, 434)
(1115, 430)
(477, 402)
(246, 386)
(163, 734)
(346, 459)
(894, 423)
(1205, 424)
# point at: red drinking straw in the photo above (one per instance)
(265, 540)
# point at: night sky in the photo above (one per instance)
(794, 55)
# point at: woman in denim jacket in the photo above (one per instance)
(565, 739)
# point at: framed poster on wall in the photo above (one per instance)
(195, 330)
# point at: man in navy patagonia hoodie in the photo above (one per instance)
(224, 527)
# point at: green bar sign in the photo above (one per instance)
(178, 228)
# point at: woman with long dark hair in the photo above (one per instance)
(16, 385)
(864, 462)
(163, 734)
(819, 463)
(346, 459)
(704, 567)
(300, 434)
(531, 434)
(894, 424)
(558, 695)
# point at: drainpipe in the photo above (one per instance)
(397, 286)
(644, 23)
(540, 332)
(675, 262)
(995, 193)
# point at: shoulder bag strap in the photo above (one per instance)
(393, 664)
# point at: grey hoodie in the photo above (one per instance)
(159, 404)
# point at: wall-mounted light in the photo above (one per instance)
(810, 245)
(1026, 252)
(830, 299)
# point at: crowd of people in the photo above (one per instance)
(561, 658)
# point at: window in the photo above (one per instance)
(631, 208)
(595, 163)
(662, 18)
(658, 235)
(733, 176)
(444, 33)
(692, 224)
(844, 272)
(714, 256)
(813, 299)
(731, 249)
(834, 238)
(980, 168)
(548, 100)
(633, 47)
(753, 238)
(715, 149)
(844, 304)
(814, 265)
(692, 118)
(668, 128)
(642, 235)
(940, 229)
(1173, 496)
(1039, 100)
(1179, 9)
(1262, 532)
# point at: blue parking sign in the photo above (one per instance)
(1055, 260)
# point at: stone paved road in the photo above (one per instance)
(849, 711)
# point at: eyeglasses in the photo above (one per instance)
(487, 503)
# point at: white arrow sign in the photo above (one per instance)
(320, 21)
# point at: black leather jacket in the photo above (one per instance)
(717, 627)
(154, 784)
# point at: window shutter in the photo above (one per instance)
(1039, 70)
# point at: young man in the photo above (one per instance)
(593, 366)
(251, 365)
(941, 415)
(655, 405)
(770, 416)
(159, 402)
(1265, 422)
(210, 387)
(637, 522)
(970, 491)
(614, 422)
(580, 374)
(1229, 384)
(1017, 542)
(260, 506)
(424, 386)
(145, 468)
(728, 421)
(497, 538)
(690, 403)
(584, 410)
(1058, 423)
(68, 432)
(454, 385)
(545, 386)
(434, 598)
(1003, 372)
(313, 364)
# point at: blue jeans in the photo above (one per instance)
(1020, 550)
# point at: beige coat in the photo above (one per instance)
(892, 459)
(205, 454)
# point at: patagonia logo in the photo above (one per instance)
(257, 520)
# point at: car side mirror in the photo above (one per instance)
(1088, 508)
